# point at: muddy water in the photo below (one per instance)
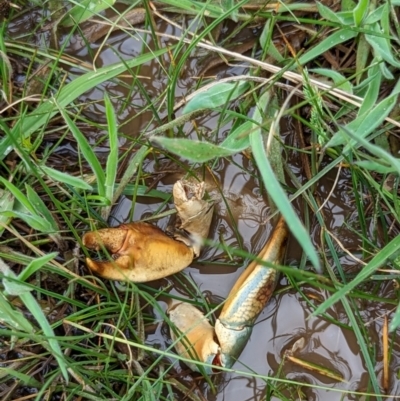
(286, 318)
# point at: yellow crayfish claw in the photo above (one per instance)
(141, 252)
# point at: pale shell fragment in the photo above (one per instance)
(195, 214)
(197, 336)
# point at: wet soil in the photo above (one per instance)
(286, 318)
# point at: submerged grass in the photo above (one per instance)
(66, 334)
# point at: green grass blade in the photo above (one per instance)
(112, 160)
(25, 379)
(370, 98)
(133, 165)
(381, 46)
(9, 315)
(196, 151)
(360, 11)
(279, 197)
(395, 322)
(40, 208)
(330, 15)
(340, 36)
(6, 203)
(32, 305)
(389, 251)
(34, 308)
(87, 153)
(376, 15)
(19, 196)
(216, 96)
(33, 220)
(35, 265)
(238, 139)
(363, 125)
(340, 81)
(393, 162)
(66, 178)
(84, 10)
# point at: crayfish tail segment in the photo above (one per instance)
(141, 252)
(194, 337)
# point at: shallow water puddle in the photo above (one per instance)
(286, 317)
(242, 208)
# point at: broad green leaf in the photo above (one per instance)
(267, 43)
(385, 23)
(346, 18)
(19, 196)
(363, 125)
(341, 18)
(266, 34)
(339, 80)
(389, 251)
(375, 166)
(35, 265)
(40, 208)
(196, 151)
(273, 146)
(265, 115)
(340, 36)
(228, 5)
(376, 15)
(347, 5)
(327, 13)
(14, 288)
(33, 220)
(395, 322)
(367, 123)
(362, 57)
(85, 9)
(238, 139)
(66, 178)
(387, 74)
(208, 9)
(12, 317)
(275, 53)
(9, 315)
(216, 96)
(375, 150)
(360, 11)
(381, 46)
(28, 124)
(6, 203)
(374, 86)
